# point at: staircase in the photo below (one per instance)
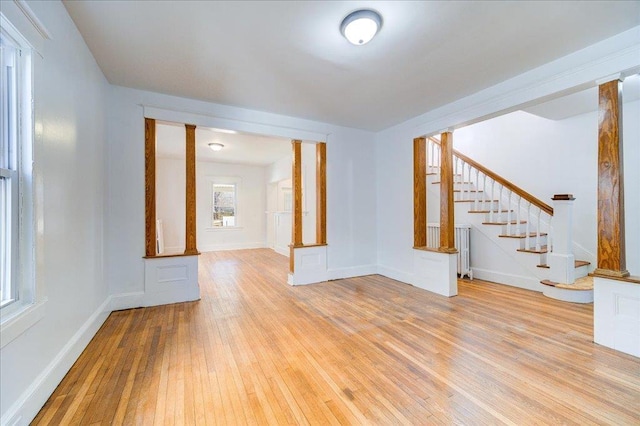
(511, 230)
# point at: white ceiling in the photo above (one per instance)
(290, 58)
(239, 148)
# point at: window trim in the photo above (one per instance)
(10, 173)
(225, 180)
(19, 316)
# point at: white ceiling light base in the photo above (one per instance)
(216, 146)
(361, 26)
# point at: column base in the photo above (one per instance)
(309, 265)
(436, 271)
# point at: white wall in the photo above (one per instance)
(394, 146)
(309, 193)
(279, 170)
(278, 178)
(70, 150)
(351, 215)
(250, 230)
(171, 202)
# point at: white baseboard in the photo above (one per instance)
(520, 281)
(282, 250)
(395, 274)
(127, 301)
(231, 246)
(354, 271)
(25, 409)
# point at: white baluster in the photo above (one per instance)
(475, 203)
(470, 180)
(485, 193)
(509, 214)
(518, 216)
(550, 238)
(499, 203)
(465, 188)
(493, 197)
(538, 230)
(455, 175)
(527, 229)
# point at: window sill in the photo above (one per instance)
(224, 228)
(15, 324)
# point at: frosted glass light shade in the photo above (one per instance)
(361, 26)
(216, 146)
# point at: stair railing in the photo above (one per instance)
(490, 191)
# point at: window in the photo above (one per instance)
(224, 211)
(16, 202)
(9, 190)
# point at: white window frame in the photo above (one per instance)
(9, 171)
(28, 305)
(212, 181)
(235, 203)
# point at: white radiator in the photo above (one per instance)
(463, 233)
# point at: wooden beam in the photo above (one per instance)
(321, 193)
(296, 176)
(611, 241)
(150, 186)
(190, 243)
(447, 226)
(420, 192)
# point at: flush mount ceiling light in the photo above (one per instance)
(230, 132)
(361, 26)
(216, 146)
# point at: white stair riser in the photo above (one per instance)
(582, 271)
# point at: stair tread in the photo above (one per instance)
(471, 190)
(522, 236)
(513, 222)
(581, 284)
(543, 249)
(577, 264)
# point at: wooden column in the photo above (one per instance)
(296, 223)
(190, 243)
(447, 227)
(321, 193)
(420, 192)
(611, 244)
(150, 186)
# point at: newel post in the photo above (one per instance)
(561, 261)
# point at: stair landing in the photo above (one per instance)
(581, 291)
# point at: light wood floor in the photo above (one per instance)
(366, 350)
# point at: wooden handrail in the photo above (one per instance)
(502, 181)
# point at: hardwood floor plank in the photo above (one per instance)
(365, 350)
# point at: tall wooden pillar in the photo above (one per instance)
(447, 226)
(420, 192)
(611, 241)
(150, 186)
(190, 243)
(296, 223)
(321, 193)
